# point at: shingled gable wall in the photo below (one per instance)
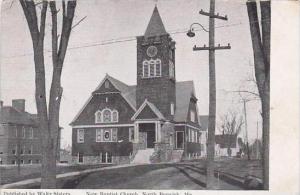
(159, 90)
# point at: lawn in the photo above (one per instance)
(9, 174)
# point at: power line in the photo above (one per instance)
(120, 40)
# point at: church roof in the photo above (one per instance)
(184, 91)
(155, 26)
(127, 91)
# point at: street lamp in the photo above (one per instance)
(191, 32)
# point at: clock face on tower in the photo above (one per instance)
(151, 51)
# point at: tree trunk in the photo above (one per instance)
(48, 117)
(261, 50)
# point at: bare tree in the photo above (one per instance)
(230, 125)
(48, 115)
(261, 51)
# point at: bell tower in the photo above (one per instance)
(156, 79)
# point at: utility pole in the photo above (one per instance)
(212, 88)
(246, 128)
(257, 143)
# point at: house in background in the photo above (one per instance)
(19, 135)
(153, 121)
(226, 145)
(203, 134)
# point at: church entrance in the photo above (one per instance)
(147, 130)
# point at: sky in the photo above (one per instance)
(92, 54)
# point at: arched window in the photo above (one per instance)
(171, 69)
(145, 69)
(98, 117)
(152, 68)
(106, 116)
(158, 68)
(115, 116)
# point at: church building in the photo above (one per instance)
(155, 120)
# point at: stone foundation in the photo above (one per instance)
(91, 160)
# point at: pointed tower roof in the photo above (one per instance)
(155, 26)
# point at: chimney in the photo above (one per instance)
(1, 104)
(19, 104)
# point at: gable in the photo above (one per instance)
(106, 87)
(147, 113)
(114, 101)
(193, 108)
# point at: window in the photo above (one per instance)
(172, 108)
(106, 116)
(158, 68)
(98, 117)
(151, 68)
(145, 69)
(13, 162)
(80, 135)
(22, 161)
(192, 136)
(14, 151)
(37, 161)
(115, 116)
(196, 136)
(30, 150)
(99, 135)
(114, 133)
(23, 132)
(106, 84)
(131, 134)
(193, 116)
(80, 157)
(107, 135)
(170, 54)
(29, 161)
(31, 133)
(106, 157)
(16, 131)
(171, 69)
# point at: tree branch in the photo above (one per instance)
(54, 32)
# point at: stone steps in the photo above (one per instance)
(143, 156)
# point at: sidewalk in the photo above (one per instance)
(63, 175)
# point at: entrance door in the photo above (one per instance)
(150, 139)
(179, 139)
(143, 140)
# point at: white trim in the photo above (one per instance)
(182, 124)
(78, 140)
(109, 92)
(141, 108)
(146, 121)
(108, 125)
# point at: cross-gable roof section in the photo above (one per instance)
(184, 91)
(152, 107)
(155, 26)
